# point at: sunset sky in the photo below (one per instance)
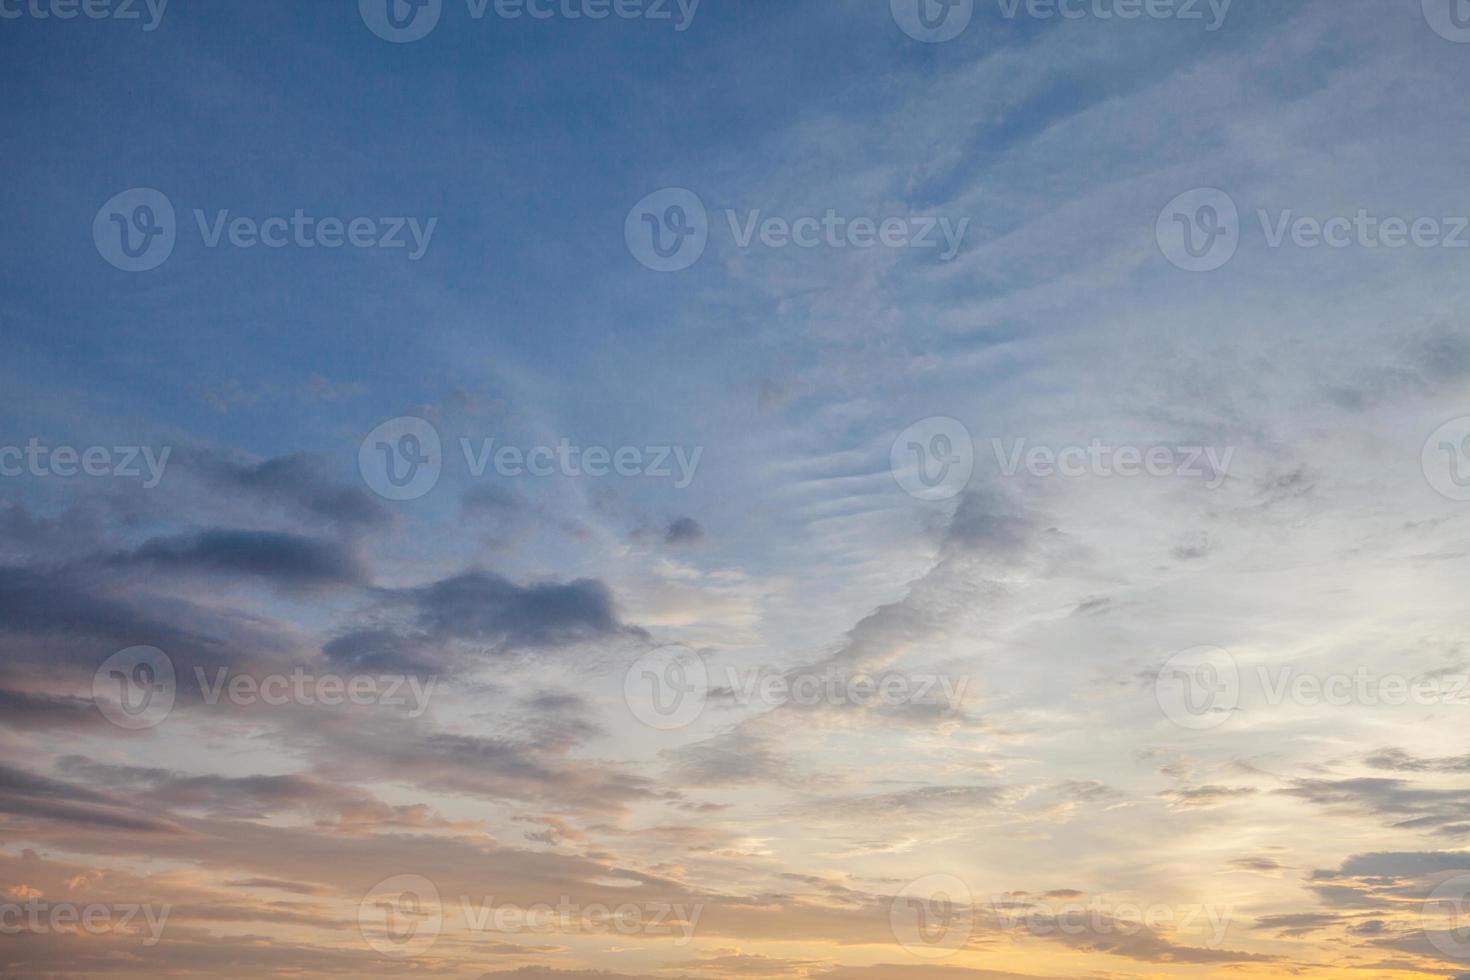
(656, 490)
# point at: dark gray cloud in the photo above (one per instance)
(247, 797)
(387, 650)
(301, 485)
(1299, 923)
(69, 535)
(1392, 865)
(26, 796)
(1397, 760)
(482, 607)
(48, 602)
(427, 627)
(684, 530)
(58, 624)
(677, 532)
(287, 560)
(1396, 800)
(28, 710)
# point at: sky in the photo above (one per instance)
(658, 490)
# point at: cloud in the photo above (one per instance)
(1205, 797)
(1258, 863)
(283, 559)
(301, 485)
(1389, 865)
(426, 628)
(1397, 800)
(683, 531)
(254, 797)
(534, 764)
(57, 626)
(41, 711)
(278, 884)
(734, 758)
(484, 608)
(922, 803)
(28, 798)
(1295, 924)
(1397, 760)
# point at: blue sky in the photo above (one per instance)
(1303, 519)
